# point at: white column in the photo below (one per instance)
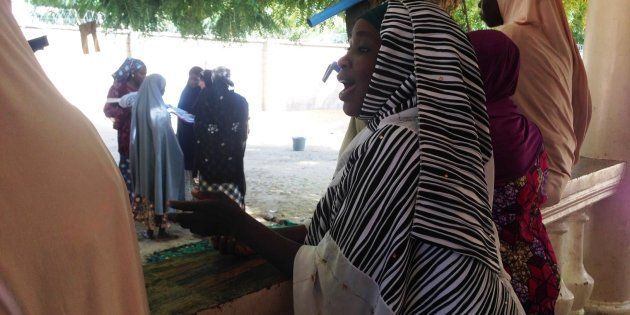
(557, 236)
(607, 60)
(608, 252)
(578, 281)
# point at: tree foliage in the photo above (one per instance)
(576, 14)
(236, 19)
(468, 14)
(575, 10)
(224, 19)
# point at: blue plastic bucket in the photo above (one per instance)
(299, 143)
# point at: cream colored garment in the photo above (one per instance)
(552, 89)
(67, 239)
(354, 127)
(326, 282)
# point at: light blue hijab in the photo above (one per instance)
(157, 161)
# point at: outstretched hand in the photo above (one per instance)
(228, 245)
(214, 216)
(219, 215)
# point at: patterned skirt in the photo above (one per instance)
(125, 169)
(188, 185)
(144, 211)
(526, 251)
(229, 189)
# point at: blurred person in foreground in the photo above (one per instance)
(67, 240)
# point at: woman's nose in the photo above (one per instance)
(344, 62)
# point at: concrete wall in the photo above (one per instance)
(284, 76)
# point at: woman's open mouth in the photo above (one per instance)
(348, 87)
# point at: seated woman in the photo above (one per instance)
(157, 161)
(405, 226)
(520, 173)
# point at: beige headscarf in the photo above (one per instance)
(552, 89)
(67, 240)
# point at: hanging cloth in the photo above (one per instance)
(86, 29)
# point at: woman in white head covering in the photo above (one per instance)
(157, 161)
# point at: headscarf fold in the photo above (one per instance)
(375, 15)
(129, 66)
(157, 162)
(426, 61)
(222, 76)
(552, 90)
(516, 140)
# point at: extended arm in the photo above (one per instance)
(223, 217)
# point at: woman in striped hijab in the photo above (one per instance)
(405, 226)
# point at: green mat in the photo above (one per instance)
(195, 277)
(197, 247)
(188, 249)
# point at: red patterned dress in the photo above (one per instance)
(122, 123)
(525, 247)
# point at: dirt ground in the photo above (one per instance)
(287, 182)
(282, 183)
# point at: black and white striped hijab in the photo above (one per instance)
(426, 61)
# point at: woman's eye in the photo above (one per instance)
(363, 49)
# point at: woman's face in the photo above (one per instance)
(138, 76)
(490, 12)
(194, 80)
(357, 66)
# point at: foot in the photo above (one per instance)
(165, 236)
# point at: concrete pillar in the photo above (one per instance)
(607, 243)
(557, 235)
(577, 279)
(607, 61)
